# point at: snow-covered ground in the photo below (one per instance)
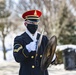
(12, 68)
(9, 68)
(59, 70)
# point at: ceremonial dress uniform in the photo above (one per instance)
(22, 45)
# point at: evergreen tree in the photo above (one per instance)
(67, 35)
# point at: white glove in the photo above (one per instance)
(54, 57)
(31, 46)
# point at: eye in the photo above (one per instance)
(29, 21)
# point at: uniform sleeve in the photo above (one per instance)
(45, 40)
(20, 53)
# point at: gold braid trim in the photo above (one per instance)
(16, 50)
(24, 54)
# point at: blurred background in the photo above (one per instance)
(58, 18)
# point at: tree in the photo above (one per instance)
(4, 24)
(68, 27)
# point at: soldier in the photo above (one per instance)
(25, 46)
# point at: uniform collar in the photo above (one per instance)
(33, 37)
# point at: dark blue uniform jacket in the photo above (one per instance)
(28, 64)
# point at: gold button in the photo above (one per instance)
(40, 55)
(33, 66)
(32, 56)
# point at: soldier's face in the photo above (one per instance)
(32, 26)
